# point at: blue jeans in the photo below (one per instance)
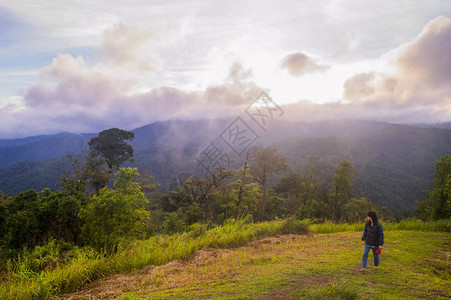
(366, 251)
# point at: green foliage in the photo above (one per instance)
(111, 145)
(58, 216)
(392, 165)
(264, 163)
(22, 226)
(173, 222)
(330, 227)
(41, 258)
(356, 209)
(437, 205)
(236, 200)
(116, 216)
(293, 225)
(385, 214)
(84, 266)
(417, 225)
(342, 183)
(87, 266)
(33, 218)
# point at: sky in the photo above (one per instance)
(85, 66)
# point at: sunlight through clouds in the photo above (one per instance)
(84, 66)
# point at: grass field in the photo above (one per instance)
(242, 260)
(414, 265)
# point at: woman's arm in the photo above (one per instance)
(365, 229)
(381, 235)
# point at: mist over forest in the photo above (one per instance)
(393, 163)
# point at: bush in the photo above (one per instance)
(40, 258)
(196, 230)
(294, 226)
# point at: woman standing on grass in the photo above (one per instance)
(372, 238)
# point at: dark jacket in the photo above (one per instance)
(373, 235)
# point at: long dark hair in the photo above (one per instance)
(373, 216)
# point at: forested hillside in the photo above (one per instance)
(392, 164)
(41, 148)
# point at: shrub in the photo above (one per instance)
(294, 226)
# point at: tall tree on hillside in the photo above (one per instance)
(437, 205)
(264, 163)
(342, 183)
(112, 149)
(111, 146)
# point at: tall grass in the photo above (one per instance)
(329, 227)
(412, 224)
(87, 266)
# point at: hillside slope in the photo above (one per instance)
(393, 165)
(175, 134)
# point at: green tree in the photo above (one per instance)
(200, 189)
(115, 216)
(107, 152)
(342, 183)
(289, 187)
(22, 224)
(76, 176)
(3, 215)
(385, 214)
(58, 216)
(237, 200)
(264, 163)
(111, 145)
(437, 204)
(356, 209)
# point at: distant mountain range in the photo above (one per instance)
(177, 134)
(393, 163)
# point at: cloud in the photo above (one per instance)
(369, 87)
(68, 83)
(421, 73)
(74, 96)
(124, 46)
(299, 64)
(428, 58)
(415, 88)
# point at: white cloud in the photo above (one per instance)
(421, 72)
(299, 64)
(117, 64)
(74, 96)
